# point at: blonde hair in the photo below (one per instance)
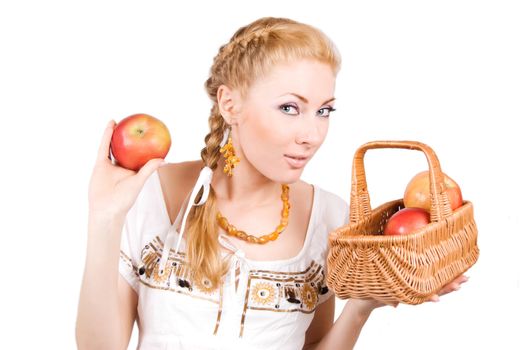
(249, 55)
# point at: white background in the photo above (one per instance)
(448, 73)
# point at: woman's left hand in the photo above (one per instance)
(366, 306)
(450, 287)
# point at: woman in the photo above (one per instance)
(249, 269)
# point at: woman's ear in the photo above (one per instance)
(228, 102)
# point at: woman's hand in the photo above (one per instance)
(114, 189)
(366, 306)
(450, 287)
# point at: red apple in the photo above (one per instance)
(406, 220)
(417, 192)
(137, 139)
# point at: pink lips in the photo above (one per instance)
(296, 162)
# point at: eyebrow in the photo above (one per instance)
(305, 100)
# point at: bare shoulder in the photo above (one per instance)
(177, 179)
(302, 197)
(303, 190)
(180, 170)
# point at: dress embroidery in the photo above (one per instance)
(294, 291)
(269, 291)
(276, 291)
(264, 293)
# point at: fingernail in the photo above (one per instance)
(465, 278)
(435, 298)
(457, 287)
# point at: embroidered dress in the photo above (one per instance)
(265, 305)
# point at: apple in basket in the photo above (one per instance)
(417, 193)
(406, 220)
(137, 139)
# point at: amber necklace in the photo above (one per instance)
(232, 231)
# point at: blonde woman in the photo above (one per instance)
(227, 252)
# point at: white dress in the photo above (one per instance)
(271, 307)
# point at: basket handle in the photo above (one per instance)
(360, 202)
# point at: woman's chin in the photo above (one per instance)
(290, 176)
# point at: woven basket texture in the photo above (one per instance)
(364, 263)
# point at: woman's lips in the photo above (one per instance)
(296, 162)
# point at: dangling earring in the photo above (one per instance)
(227, 149)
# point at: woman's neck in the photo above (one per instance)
(247, 186)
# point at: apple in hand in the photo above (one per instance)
(137, 139)
(417, 192)
(406, 220)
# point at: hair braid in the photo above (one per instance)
(210, 154)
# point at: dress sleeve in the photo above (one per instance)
(335, 215)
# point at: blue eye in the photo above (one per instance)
(328, 109)
(287, 107)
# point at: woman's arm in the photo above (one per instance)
(107, 305)
(344, 332)
(106, 310)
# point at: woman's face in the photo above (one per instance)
(284, 116)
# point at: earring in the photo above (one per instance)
(227, 149)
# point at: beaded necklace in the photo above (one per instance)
(233, 231)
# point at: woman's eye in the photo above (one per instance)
(287, 108)
(327, 110)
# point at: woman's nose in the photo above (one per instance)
(310, 131)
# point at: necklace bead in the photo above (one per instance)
(233, 231)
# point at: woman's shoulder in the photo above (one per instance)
(329, 199)
(180, 171)
(332, 212)
(332, 207)
(174, 176)
(176, 180)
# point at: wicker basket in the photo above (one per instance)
(363, 263)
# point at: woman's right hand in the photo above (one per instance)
(114, 189)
